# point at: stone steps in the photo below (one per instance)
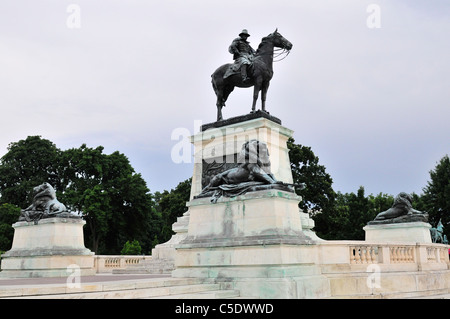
(172, 288)
(214, 294)
(431, 294)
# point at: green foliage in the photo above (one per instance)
(8, 215)
(350, 213)
(117, 205)
(27, 163)
(104, 189)
(318, 194)
(133, 248)
(172, 205)
(436, 197)
(113, 199)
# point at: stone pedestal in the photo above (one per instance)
(47, 249)
(254, 242)
(307, 227)
(413, 232)
(217, 145)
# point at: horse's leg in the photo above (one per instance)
(264, 90)
(256, 90)
(219, 113)
(220, 101)
(219, 104)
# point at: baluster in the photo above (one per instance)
(363, 254)
(396, 254)
(444, 255)
(411, 254)
(430, 254)
(353, 255)
(368, 255)
(357, 255)
(374, 255)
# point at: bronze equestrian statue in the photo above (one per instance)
(258, 69)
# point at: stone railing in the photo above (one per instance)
(106, 263)
(390, 256)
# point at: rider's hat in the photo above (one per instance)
(244, 32)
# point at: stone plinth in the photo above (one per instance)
(218, 143)
(46, 249)
(413, 232)
(254, 241)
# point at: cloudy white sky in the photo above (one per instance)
(373, 103)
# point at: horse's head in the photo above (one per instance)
(279, 41)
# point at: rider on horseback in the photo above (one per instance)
(243, 55)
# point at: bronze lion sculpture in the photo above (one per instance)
(252, 173)
(44, 205)
(401, 211)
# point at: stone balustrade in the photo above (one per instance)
(363, 254)
(356, 254)
(106, 263)
(388, 256)
(402, 254)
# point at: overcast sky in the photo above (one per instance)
(368, 93)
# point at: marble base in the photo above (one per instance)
(253, 242)
(47, 249)
(414, 232)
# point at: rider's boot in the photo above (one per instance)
(244, 73)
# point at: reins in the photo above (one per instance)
(283, 51)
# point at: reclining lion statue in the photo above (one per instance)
(44, 205)
(252, 173)
(401, 211)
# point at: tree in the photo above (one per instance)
(131, 248)
(318, 194)
(172, 205)
(27, 163)
(8, 215)
(107, 192)
(436, 197)
(350, 213)
(103, 189)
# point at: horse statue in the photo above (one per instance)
(437, 234)
(260, 73)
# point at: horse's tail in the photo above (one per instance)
(220, 85)
(217, 81)
(213, 82)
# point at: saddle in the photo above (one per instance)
(235, 68)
